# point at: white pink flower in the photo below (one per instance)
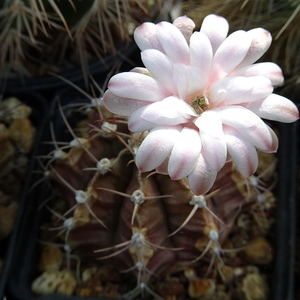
(202, 99)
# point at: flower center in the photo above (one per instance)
(200, 104)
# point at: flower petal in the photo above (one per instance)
(216, 28)
(181, 79)
(212, 137)
(276, 108)
(200, 52)
(138, 124)
(261, 41)
(267, 69)
(230, 53)
(250, 126)
(170, 111)
(163, 168)
(120, 105)
(184, 154)
(243, 153)
(202, 178)
(145, 37)
(185, 25)
(173, 42)
(263, 141)
(235, 90)
(197, 81)
(156, 147)
(237, 116)
(160, 67)
(138, 86)
(200, 63)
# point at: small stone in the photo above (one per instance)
(91, 285)
(22, 133)
(253, 287)
(218, 295)
(226, 273)
(67, 283)
(258, 252)
(199, 287)
(12, 108)
(49, 282)
(51, 259)
(262, 225)
(170, 288)
(88, 273)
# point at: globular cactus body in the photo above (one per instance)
(144, 224)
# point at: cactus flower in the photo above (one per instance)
(201, 96)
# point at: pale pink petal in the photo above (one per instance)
(184, 154)
(137, 86)
(173, 42)
(197, 81)
(163, 168)
(267, 69)
(160, 67)
(145, 37)
(261, 41)
(181, 79)
(185, 25)
(243, 153)
(230, 53)
(276, 108)
(202, 178)
(200, 52)
(250, 126)
(120, 105)
(216, 28)
(212, 137)
(266, 142)
(170, 111)
(156, 147)
(200, 63)
(138, 124)
(237, 116)
(236, 90)
(274, 145)
(261, 137)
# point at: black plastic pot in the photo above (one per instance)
(284, 279)
(24, 266)
(38, 117)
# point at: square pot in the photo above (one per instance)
(24, 266)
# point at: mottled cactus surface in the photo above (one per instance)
(114, 231)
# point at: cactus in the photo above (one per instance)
(39, 37)
(149, 228)
(140, 233)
